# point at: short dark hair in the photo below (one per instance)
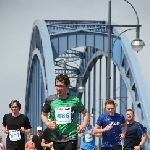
(130, 110)
(15, 101)
(110, 101)
(63, 78)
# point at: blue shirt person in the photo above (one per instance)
(88, 137)
(111, 139)
(136, 134)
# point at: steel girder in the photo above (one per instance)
(52, 41)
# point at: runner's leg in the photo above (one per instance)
(119, 147)
(71, 145)
(58, 145)
(107, 148)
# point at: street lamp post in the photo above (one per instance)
(101, 108)
(81, 87)
(64, 65)
(93, 110)
(136, 44)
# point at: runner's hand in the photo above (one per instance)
(50, 145)
(81, 128)
(6, 131)
(108, 127)
(52, 125)
(90, 132)
(22, 130)
(121, 136)
(137, 147)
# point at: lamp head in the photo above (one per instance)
(137, 44)
(92, 115)
(81, 89)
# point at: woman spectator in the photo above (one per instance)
(30, 145)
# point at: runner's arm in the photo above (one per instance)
(80, 134)
(26, 131)
(81, 128)
(144, 139)
(50, 124)
(85, 117)
(95, 134)
(44, 118)
(4, 129)
(124, 128)
(44, 145)
(99, 135)
(45, 111)
(97, 128)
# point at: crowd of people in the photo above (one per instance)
(62, 132)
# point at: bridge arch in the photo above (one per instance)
(51, 40)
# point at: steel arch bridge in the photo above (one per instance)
(83, 45)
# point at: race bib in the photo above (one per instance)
(88, 138)
(63, 115)
(14, 135)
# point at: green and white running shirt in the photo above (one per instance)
(64, 112)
